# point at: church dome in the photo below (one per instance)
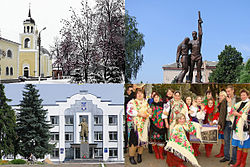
(29, 20)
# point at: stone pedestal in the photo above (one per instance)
(84, 150)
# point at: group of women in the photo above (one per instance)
(166, 124)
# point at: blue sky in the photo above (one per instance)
(165, 23)
(50, 93)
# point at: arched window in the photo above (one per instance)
(27, 43)
(0, 70)
(9, 54)
(31, 29)
(24, 29)
(11, 71)
(28, 29)
(7, 70)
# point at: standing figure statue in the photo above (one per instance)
(196, 58)
(182, 50)
(84, 130)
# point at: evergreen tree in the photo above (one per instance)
(7, 126)
(33, 129)
(245, 73)
(227, 70)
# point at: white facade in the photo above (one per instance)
(105, 123)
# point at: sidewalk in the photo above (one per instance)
(68, 165)
(149, 160)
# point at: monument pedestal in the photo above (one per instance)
(84, 150)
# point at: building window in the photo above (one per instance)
(68, 136)
(69, 120)
(11, 71)
(54, 120)
(98, 119)
(113, 136)
(112, 119)
(98, 136)
(31, 29)
(27, 43)
(55, 153)
(98, 152)
(7, 70)
(0, 70)
(113, 152)
(28, 29)
(9, 54)
(54, 137)
(24, 29)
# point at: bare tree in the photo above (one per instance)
(111, 38)
(93, 42)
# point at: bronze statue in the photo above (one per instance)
(195, 46)
(84, 130)
(182, 50)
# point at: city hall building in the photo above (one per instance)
(105, 125)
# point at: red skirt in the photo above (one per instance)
(173, 160)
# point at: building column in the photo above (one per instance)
(61, 137)
(105, 137)
(120, 136)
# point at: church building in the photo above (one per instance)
(29, 52)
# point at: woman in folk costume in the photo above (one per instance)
(210, 119)
(169, 95)
(197, 114)
(208, 97)
(178, 147)
(174, 107)
(138, 121)
(239, 118)
(221, 108)
(157, 128)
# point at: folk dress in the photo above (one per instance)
(240, 127)
(137, 126)
(157, 125)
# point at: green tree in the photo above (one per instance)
(7, 126)
(134, 43)
(33, 129)
(227, 70)
(245, 73)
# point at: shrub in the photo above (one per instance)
(18, 161)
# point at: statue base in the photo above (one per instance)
(84, 150)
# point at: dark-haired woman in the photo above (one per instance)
(157, 129)
(138, 121)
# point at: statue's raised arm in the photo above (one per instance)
(200, 33)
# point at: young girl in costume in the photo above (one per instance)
(138, 121)
(240, 118)
(210, 119)
(178, 147)
(157, 128)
